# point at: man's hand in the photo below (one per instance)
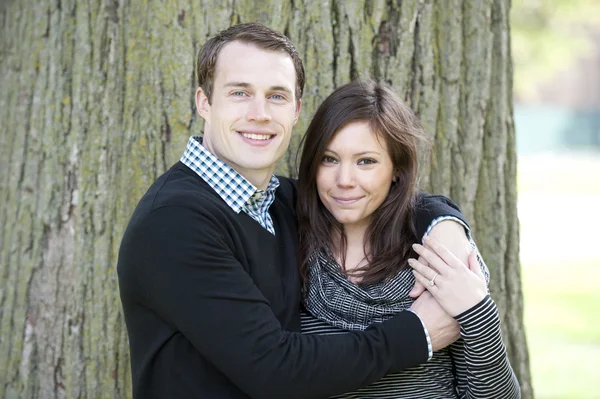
(443, 329)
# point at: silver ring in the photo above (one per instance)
(432, 281)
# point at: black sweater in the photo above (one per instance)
(211, 302)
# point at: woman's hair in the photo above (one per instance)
(391, 231)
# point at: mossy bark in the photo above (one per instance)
(97, 101)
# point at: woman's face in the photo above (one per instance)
(355, 174)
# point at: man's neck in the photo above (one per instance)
(259, 178)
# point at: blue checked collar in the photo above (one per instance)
(231, 186)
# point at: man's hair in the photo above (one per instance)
(391, 230)
(248, 33)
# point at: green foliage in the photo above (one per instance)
(548, 36)
(561, 282)
(562, 328)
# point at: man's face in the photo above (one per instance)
(248, 123)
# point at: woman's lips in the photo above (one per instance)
(346, 200)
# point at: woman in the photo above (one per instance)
(359, 215)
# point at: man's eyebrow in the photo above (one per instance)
(236, 84)
(247, 85)
(281, 88)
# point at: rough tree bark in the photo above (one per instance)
(97, 101)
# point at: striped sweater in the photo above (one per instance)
(474, 367)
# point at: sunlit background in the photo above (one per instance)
(556, 52)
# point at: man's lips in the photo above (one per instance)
(259, 135)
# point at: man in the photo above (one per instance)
(207, 266)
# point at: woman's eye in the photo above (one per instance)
(367, 161)
(327, 159)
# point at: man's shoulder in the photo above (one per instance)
(432, 207)
(287, 190)
(179, 200)
(180, 187)
(429, 202)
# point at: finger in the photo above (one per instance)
(426, 282)
(474, 264)
(432, 258)
(417, 290)
(444, 253)
(426, 271)
(424, 261)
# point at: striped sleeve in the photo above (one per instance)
(481, 362)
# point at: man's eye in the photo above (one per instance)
(238, 94)
(277, 97)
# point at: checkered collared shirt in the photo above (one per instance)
(232, 187)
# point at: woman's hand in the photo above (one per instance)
(418, 288)
(454, 285)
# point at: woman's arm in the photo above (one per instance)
(482, 369)
(480, 358)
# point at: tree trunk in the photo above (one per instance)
(97, 101)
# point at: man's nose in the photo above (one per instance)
(258, 111)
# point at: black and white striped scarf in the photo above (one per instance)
(331, 297)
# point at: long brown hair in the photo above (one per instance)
(391, 232)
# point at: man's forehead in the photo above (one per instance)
(237, 46)
(241, 61)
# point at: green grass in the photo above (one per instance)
(563, 330)
(562, 296)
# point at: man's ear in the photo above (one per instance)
(298, 108)
(202, 104)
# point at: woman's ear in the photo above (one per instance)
(396, 175)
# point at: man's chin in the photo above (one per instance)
(257, 166)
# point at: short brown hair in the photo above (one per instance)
(391, 231)
(249, 33)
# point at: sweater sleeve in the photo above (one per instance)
(432, 208)
(481, 362)
(187, 273)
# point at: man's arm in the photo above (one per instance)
(179, 265)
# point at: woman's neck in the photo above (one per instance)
(354, 255)
(354, 236)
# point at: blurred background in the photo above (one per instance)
(556, 54)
